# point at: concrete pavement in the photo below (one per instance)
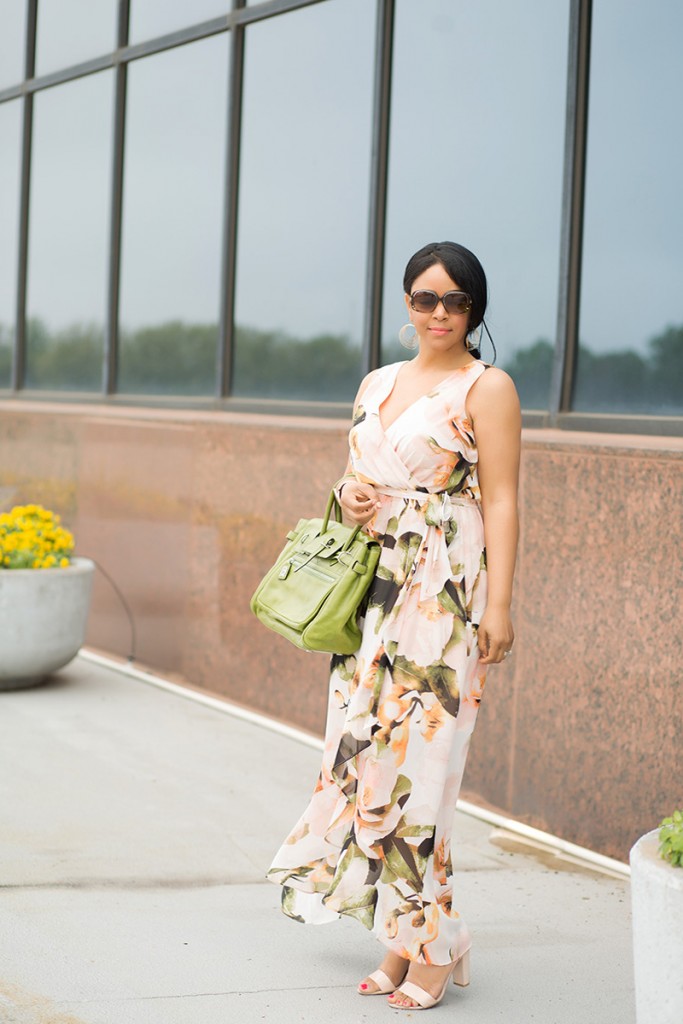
(135, 828)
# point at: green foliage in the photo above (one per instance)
(275, 365)
(178, 358)
(69, 359)
(169, 359)
(6, 341)
(181, 359)
(530, 368)
(394, 352)
(613, 382)
(671, 839)
(666, 368)
(5, 366)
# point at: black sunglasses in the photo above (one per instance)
(426, 301)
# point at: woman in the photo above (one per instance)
(432, 474)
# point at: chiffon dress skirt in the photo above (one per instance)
(374, 841)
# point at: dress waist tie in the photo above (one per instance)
(445, 498)
(438, 511)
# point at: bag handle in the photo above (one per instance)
(333, 505)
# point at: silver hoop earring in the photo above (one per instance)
(408, 340)
(473, 338)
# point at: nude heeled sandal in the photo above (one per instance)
(383, 982)
(459, 972)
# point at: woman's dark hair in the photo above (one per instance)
(462, 266)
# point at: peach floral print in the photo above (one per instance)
(374, 842)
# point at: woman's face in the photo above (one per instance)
(438, 330)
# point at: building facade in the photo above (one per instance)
(206, 209)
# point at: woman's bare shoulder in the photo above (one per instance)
(493, 383)
(494, 376)
(493, 400)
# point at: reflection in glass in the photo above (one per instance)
(172, 219)
(150, 18)
(10, 138)
(631, 329)
(69, 234)
(72, 31)
(12, 41)
(477, 159)
(304, 185)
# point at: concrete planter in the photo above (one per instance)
(657, 898)
(43, 615)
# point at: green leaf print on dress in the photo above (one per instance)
(374, 841)
(438, 678)
(459, 468)
(288, 904)
(353, 892)
(453, 598)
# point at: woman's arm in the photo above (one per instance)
(493, 407)
(358, 501)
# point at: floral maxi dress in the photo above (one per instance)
(374, 842)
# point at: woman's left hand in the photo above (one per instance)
(495, 636)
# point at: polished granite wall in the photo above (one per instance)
(579, 732)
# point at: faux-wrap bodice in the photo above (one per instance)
(427, 461)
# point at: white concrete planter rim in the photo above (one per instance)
(76, 565)
(651, 865)
(657, 904)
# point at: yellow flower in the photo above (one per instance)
(31, 538)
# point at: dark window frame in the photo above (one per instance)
(559, 412)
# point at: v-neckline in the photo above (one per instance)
(416, 401)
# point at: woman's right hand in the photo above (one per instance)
(359, 502)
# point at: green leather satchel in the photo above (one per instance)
(313, 593)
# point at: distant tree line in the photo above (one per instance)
(178, 358)
(644, 382)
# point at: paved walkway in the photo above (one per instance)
(135, 828)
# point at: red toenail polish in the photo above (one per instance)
(364, 986)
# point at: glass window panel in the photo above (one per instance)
(150, 18)
(69, 233)
(631, 328)
(476, 157)
(10, 145)
(12, 41)
(304, 184)
(71, 31)
(172, 219)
